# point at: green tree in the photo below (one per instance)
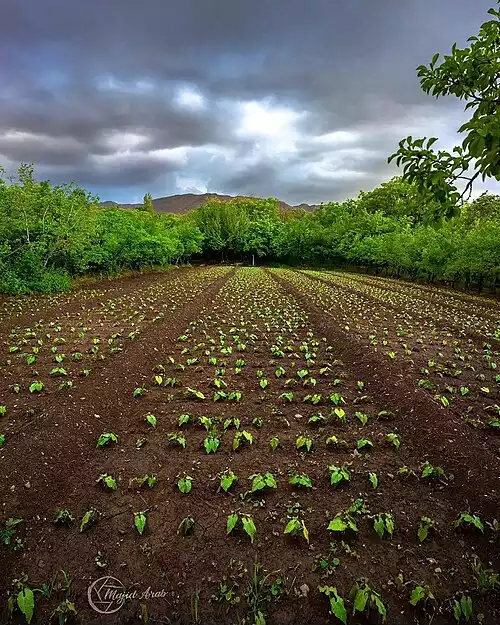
(147, 204)
(470, 74)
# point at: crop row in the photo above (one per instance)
(459, 373)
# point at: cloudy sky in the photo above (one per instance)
(297, 99)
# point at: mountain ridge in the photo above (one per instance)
(184, 202)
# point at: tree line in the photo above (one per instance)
(52, 234)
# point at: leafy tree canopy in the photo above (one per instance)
(471, 74)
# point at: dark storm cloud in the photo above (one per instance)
(151, 96)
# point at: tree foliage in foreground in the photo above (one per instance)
(471, 74)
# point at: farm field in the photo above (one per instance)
(250, 445)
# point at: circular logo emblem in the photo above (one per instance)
(106, 595)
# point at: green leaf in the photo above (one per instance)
(274, 442)
(185, 484)
(360, 600)
(140, 521)
(87, 517)
(249, 527)
(337, 606)
(379, 604)
(417, 594)
(423, 531)
(337, 525)
(26, 603)
(379, 526)
(292, 526)
(466, 606)
(232, 519)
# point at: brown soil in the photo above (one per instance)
(50, 461)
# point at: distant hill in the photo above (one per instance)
(181, 204)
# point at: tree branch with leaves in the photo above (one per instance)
(471, 74)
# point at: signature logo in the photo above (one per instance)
(106, 595)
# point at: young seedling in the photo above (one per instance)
(261, 481)
(207, 423)
(194, 393)
(383, 523)
(317, 419)
(280, 372)
(337, 399)
(178, 439)
(313, 399)
(241, 437)
(184, 419)
(139, 391)
(300, 479)
(149, 479)
(185, 484)
(303, 443)
(151, 419)
(36, 387)
(274, 443)
(89, 518)
(231, 422)
(432, 473)
(25, 599)
(7, 534)
(340, 414)
(63, 516)
(372, 477)
(108, 481)
(342, 522)
(334, 441)
(227, 480)
(106, 438)
(471, 520)
(296, 527)
(422, 596)
(365, 599)
(337, 607)
(186, 526)
(140, 521)
(364, 443)
(487, 580)
(246, 521)
(338, 475)
(426, 524)
(462, 608)
(393, 439)
(362, 417)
